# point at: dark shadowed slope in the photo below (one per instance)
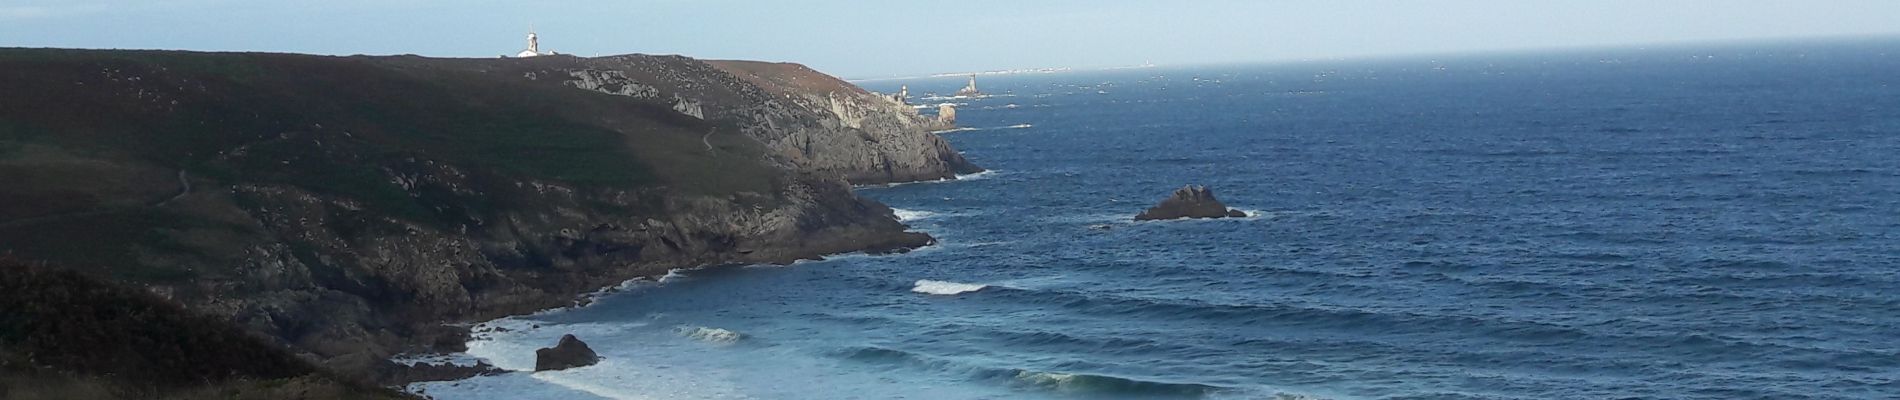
(67, 335)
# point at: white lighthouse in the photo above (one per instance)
(534, 46)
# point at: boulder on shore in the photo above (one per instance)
(569, 353)
(1190, 202)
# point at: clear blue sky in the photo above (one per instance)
(873, 38)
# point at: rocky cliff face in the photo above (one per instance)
(862, 136)
(349, 207)
(809, 121)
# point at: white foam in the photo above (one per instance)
(986, 174)
(911, 215)
(509, 343)
(673, 275)
(955, 130)
(1019, 126)
(612, 379)
(1035, 283)
(709, 335)
(827, 259)
(624, 286)
(964, 177)
(943, 288)
(1059, 380)
(456, 359)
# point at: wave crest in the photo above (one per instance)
(944, 288)
(1102, 384)
(1088, 385)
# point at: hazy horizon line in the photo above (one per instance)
(1449, 54)
(1091, 68)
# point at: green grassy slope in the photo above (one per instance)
(90, 140)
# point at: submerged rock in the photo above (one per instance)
(569, 353)
(1190, 202)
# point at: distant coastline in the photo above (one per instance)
(1025, 71)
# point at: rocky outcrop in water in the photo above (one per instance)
(571, 352)
(946, 116)
(1190, 202)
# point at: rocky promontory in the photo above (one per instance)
(351, 208)
(867, 138)
(1190, 202)
(570, 352)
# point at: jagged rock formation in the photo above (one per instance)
(348, 207)
(570, 352)
(946, 116)
(1190, 202)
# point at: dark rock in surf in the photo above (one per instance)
(1190, 202)
(569, 353)
(437, 372)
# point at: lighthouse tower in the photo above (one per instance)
(970, 90)
(534, 46)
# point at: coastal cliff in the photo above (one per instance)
(350, 208)
(867, 138)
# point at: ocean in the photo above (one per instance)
(1688, 222)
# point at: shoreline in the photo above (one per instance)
(438, 365)
(448, 366)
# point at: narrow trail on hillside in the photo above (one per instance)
(184, 188)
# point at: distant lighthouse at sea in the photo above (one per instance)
(970, 89)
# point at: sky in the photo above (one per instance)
(886, 38)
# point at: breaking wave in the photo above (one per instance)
(927, 286)
(1087, 384)
(709, 335)
(672, 275)
(975, 176)
(911, 215)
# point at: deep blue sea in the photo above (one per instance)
(1715, 222)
